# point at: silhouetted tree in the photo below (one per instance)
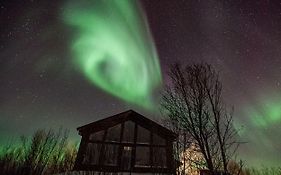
(46, 152)
(193, 103)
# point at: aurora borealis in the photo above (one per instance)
(268, 113)
(114, 48)
(68, 63)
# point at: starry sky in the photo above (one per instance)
(41, 88)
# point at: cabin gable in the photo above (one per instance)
(127, 142)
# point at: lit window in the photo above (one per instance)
(126, 158)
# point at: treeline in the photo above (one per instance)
(46, 152)
(49, 152)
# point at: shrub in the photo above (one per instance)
(46, 152)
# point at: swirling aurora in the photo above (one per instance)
(114, 48)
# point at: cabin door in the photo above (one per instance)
(126, 159)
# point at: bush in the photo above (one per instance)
(46, 152)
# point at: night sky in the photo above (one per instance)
(41, 88)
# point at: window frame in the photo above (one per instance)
(133, 144)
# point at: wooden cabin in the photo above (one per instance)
(126, 142)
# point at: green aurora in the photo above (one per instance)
(266, 113)
(263, 115)
(114, 49)
(262, 118)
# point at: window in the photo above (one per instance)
(158, 140)
(92, 154)
(129, 131)
(97, 136)
(111, 154)
(142, 156)
(113, 133)
(126, 158)
(143, 135)
(159, 157)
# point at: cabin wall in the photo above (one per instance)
(126, 147)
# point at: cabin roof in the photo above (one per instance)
(126, 116)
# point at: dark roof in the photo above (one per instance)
(125, 116)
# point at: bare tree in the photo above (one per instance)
(46, 152)
(194, 101)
